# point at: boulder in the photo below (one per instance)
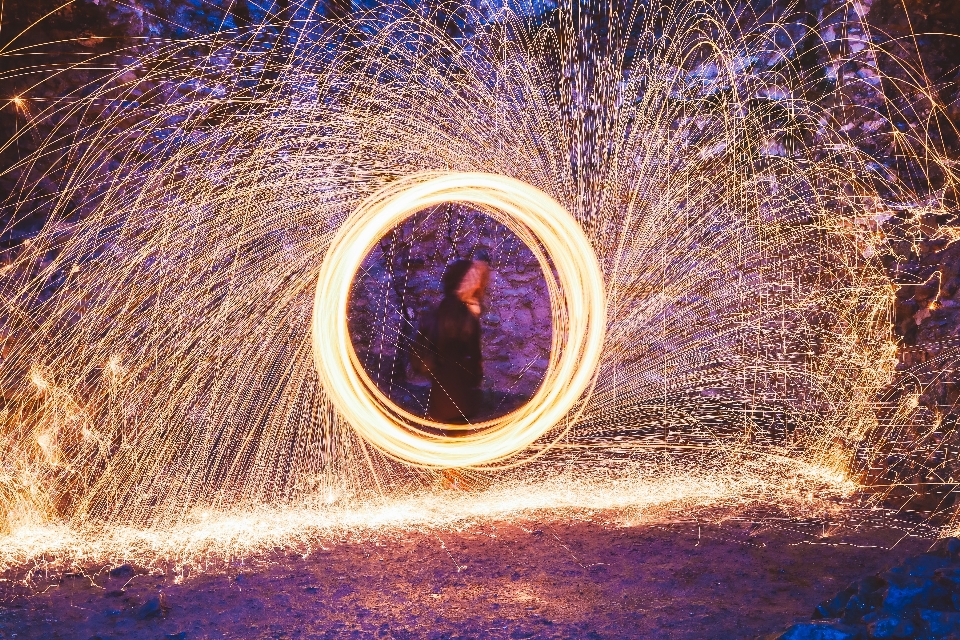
(856, 608)
(834, 607)
(123, 571)
(924, 593)
(821, 630)
(925, 565)
(889, 626)
(946, 548)
(940, 623)
(152, 608)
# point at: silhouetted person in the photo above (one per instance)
(448, 347)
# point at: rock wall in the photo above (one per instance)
(400, 282)
(917, 599)
(925, 264)
(817, 33)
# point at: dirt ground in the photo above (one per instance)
(522, 579)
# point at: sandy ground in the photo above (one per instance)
(522, 579)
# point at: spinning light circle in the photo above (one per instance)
(577, 300)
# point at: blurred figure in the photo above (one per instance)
(447, 350)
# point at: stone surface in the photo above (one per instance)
(889, 626)
(818, 631)
(916, 599)
(497, 580)
(940, 623)
(150, 609)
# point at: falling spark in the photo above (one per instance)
(168, 298)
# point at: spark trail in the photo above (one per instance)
(162, 368)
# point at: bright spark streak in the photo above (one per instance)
(721, 289)
(577, 296)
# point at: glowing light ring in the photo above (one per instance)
(577, 298)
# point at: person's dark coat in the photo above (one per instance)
(449, 354)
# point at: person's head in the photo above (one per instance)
(453, 275)
(467, 279)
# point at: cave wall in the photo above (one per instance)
(925, 264)
(400, 282)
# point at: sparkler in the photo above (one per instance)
(715, 238)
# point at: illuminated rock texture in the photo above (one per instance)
(917, 599)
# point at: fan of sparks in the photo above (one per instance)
(160, 362)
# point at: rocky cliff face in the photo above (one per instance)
(919, 90)
(926, 264)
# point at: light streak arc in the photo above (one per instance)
(576, 294)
